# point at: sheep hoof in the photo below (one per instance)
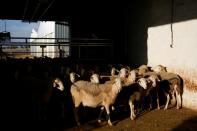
(177, 107)
(132, 117)
(158, 108)
(99, 121)
(165, 108)
(110, 124)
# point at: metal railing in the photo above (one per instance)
(7, 46)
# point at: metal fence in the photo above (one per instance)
(16, 46)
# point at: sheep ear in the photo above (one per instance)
(138, 81)
(91, 77)
(149, 81)
(77, 75)
(117, 70)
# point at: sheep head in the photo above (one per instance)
(155, 79)
(73, 77)
(117, 85)
(57, 83)
(143, 83)
(142, 69)
(94, 78)
(159, 68)
(123, 73)
(132, 76)
(113, 71)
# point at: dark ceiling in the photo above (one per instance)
(56, 10)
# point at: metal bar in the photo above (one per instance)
(59, 42)
(32, 52)
(80, 39)
(79, 52)
(54, 44)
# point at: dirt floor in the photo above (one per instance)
(155, 120)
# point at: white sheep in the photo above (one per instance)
(94, 95)
(153, 85)
(143, 69)
(113, 71)
(73, 76)
(122, 74)
(136, 92)
(57, 83)
(171, 84)
(159, 69)
(94, 78)
(126, 81)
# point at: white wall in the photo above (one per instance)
(184, 51)
(46, 28)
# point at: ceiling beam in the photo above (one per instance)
(25, 9)
(35, 11)
(44, 12)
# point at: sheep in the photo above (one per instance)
(122, 73)
(135, 92)
(155, 78)
(159, 69)
(56, 105)
(153, 86)
(132, 76)
(126, 82)
(57, 83)
(143, 69)
(171, 84)
(113, 71)
(140, 90)
(94, 78)
(94, 95)
(73, 77)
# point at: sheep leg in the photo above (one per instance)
(100, 114)
(132, 112)
(76, 115)
(167, 102)
(158, 106)
(108, 115)
(150, 108)
(178, 96)
(173, 101)
(113, 108)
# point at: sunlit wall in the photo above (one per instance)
(184, 50)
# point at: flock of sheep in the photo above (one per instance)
(125, 86)
(51, 89)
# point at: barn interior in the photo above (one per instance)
(142, 32)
